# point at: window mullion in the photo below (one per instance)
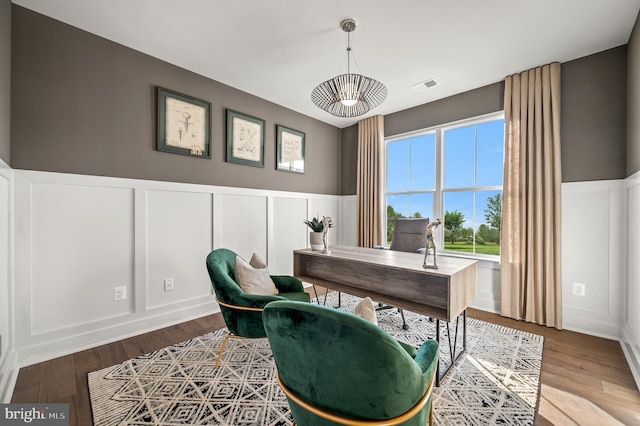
(438, 200)
(410, 188)
(475, 185)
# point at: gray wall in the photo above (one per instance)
(483, 100)
(633, 101)
(594, 117)
(593, 133)
(5, 80)
(82, 104)
(349, 160)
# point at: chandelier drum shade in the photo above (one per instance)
(349, 95)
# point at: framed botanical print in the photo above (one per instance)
(245, 139)
(290, 149)
(184, 124)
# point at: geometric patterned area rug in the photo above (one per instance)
(496, 380)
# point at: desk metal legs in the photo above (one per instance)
(453, 346)
(339, 298)
(326, 292)
(316, 292)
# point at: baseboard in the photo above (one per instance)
(9, 377)
(631, 348)
(36, 353)
(580, 322)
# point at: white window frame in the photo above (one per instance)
(439, 191)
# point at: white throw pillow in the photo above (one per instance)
(254, 280)
(366, 310)
(257, 262)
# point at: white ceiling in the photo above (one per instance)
(280, 50)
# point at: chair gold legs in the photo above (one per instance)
(224, 343)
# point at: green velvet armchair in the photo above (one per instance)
(242, 312)
(337, 368)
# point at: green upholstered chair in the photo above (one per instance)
(242, 312)
(337, 368)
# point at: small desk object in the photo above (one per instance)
(398, 279)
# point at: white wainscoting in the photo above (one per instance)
(593, 236)
(348, 215)
(488, 298)
(631, 327)
(179, 226)
(8, 356)
(289, 212)
(78, 237)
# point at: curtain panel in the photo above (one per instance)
(531, 279)
(369, 189)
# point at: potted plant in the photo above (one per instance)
(317, 232)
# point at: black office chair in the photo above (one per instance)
(409, 236)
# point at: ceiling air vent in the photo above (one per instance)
(421, 87)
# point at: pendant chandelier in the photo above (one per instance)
(349, 95)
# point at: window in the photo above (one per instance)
(453, 172)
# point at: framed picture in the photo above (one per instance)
(245, 139)
(184, 124)
(290, 150)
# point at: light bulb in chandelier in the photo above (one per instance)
(349, 95)
(349, 102)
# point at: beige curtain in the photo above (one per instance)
(369, 191)
(530, 257)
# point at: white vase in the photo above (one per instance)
(315, 239)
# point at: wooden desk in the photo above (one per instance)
(393, 277)
(398, 279)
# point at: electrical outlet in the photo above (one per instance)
(120, 293)
(579, 289)
(168, 284)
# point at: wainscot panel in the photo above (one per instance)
(592, 254)
(488, 286)
(289, 233)
(631, 329)
(243, 225)
(179, 236)
(348, 209)
(81, 248)
(8, 356)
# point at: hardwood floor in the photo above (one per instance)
(584, 379)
